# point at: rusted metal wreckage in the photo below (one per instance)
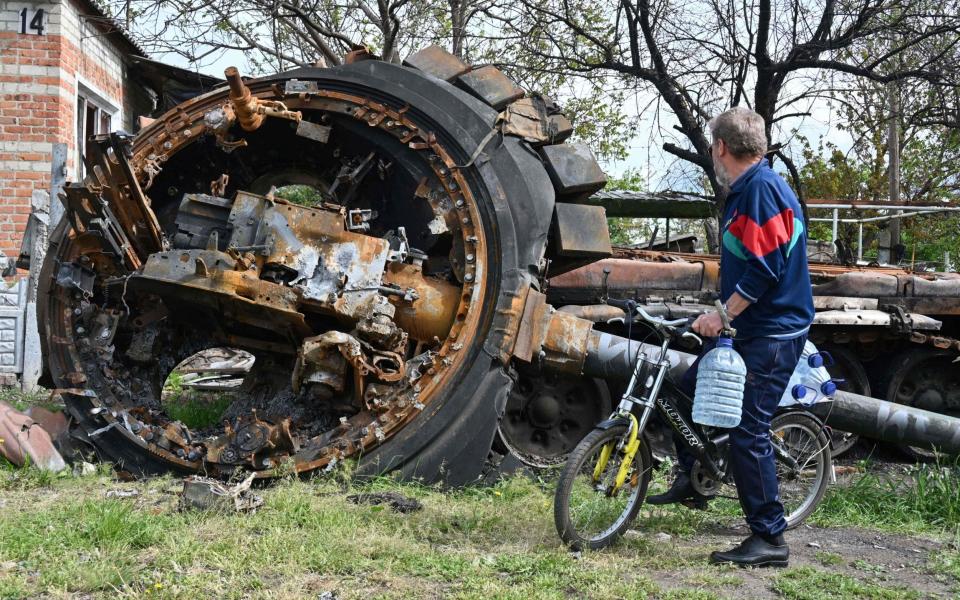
(399, 320)
(29, 438)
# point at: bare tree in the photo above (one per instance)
(279, 34)
(777, 56)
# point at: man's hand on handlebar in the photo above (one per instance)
(708, 325)
(712, 324)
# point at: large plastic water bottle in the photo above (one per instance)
(718, 401)
(810, 382)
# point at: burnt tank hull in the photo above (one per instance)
(893, 334)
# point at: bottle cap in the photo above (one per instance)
(724, 342)
(828, 388)
(798, 391)
(815, 360)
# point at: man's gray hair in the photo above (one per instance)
(743, 131)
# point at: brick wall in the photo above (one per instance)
(29, 118)
(40, 76)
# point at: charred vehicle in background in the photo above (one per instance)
(402, 319)
(893, 334)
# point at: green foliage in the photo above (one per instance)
(929, 154)
(303, 195)
(194, 408)
(174, 383)
(624, 231)
(828, 173)
(197, 410)
(600, 120)
(927, 238)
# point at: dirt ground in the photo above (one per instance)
(881, 559)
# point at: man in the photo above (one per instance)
(765, 284)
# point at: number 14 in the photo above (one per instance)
(36, 23)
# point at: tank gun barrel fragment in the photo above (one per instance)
(891, 422)
(610, 356)
(251, 110)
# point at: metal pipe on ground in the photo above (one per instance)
(891, 422)
(611, 357)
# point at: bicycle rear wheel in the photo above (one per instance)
(586, 511)
(802, 486)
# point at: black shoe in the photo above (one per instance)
(755, 552)
(681, 492)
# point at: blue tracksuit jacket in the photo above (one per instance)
(764, 256)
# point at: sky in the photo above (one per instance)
(660, 169)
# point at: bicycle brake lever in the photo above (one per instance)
(727, 331)
(616, 320)
(692, 335)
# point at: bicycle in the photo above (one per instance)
(605, 479)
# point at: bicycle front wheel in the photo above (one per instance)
(589, 511)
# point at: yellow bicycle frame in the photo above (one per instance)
(630, 451)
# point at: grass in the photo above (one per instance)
(63, 537)
(21, 400)
(829, 559)
(303, 195)
(307, 539)
(946, 563)
(715, 579)
(808, 583)
(926, 500)
(195, 409)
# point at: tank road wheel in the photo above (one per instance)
(927, 379)
(848, 368)
(548, 414)
(381, 310)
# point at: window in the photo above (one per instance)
(94, 117)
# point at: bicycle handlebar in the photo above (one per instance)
(633, 309)
(661, 321)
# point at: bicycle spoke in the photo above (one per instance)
(595, 513)
(800, 486)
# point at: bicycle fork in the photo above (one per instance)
(630, 445)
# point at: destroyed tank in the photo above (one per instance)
(892, 334)
(400, 320)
